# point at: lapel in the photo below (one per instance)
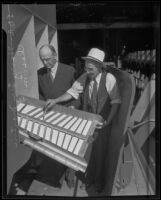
(102, 94)
(51, 83)
(57, 75)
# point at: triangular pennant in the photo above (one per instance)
(18, 34)
(54, 42)
(19, 15)
(46, 12)
(39, 28)
(51, 32)
(24, 62)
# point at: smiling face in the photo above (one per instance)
(48, 57)
(92, 68)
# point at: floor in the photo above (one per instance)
(134, 187)
(38, 188)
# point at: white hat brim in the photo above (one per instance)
(91, 58)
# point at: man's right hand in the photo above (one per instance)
(49, 104)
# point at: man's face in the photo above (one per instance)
(92, 68)
(47, 57)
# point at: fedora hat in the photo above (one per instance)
(95, 55)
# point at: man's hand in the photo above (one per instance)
(49, 104)
(101, 125)
(72, 107)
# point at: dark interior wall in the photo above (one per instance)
(76, 43)
(71, 44)
(133, 39)
(137, 39)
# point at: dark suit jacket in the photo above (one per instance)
(63, 81)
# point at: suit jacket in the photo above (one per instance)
(64, 79)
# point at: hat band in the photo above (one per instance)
(93, 58)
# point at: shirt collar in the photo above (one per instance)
(54, 69)
(98, 78)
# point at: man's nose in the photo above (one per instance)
(45, 62)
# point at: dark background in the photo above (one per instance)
(115, 26)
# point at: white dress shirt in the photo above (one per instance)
(111, 86)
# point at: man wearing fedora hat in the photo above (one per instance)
(98, 93)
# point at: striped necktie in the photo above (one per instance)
(50, 75)
(94, 97)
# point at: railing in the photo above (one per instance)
(134, 167)
(145, 179)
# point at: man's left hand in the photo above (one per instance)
(49, 104)
(101, 125)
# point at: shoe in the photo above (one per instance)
(70, 182)
(70, 178)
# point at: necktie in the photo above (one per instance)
(50, 76)
(94, 97)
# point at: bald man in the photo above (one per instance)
(54, 78)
